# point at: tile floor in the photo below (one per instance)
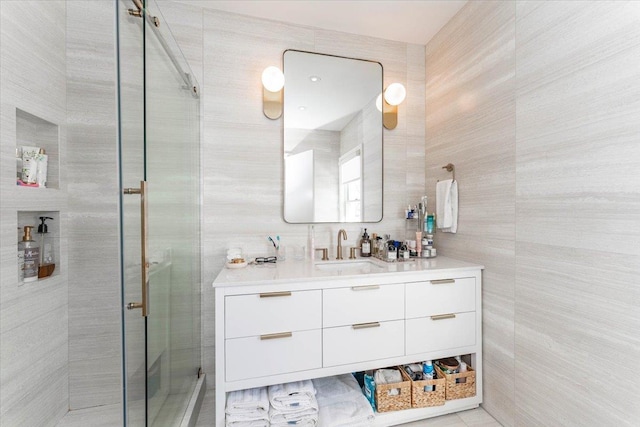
(111, 415)
(472, 418)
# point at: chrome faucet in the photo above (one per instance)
(344, 235)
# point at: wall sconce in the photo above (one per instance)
(394, 94)
(272, 84)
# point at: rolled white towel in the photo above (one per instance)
(249, 403)
(294, 395)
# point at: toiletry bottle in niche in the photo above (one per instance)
(365, 245)
(31, 255)
(47, 263)
(20, 263)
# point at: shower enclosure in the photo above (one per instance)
(112, 337)
(160, 222)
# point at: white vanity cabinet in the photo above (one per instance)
(294, 321)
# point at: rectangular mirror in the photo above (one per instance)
(332, 138)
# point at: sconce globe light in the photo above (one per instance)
(272, 83)
(394, 94)
(272, 79)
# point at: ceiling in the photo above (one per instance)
(412, 21)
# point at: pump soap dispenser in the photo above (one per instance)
(31, 255)
(47, 264)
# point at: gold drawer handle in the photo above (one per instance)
(365, 288)
(443, 316)
(275, 336)
(366, 325)
(443, 281)
(275, 294)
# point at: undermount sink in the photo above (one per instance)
(349, 265)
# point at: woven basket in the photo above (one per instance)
(386, 402)
(421, 398)
(458, 390)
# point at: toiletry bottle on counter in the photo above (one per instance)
(427, 374)
(31, 255)
(429, 223)
(365, 245)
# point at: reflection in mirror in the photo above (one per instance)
(332, 139)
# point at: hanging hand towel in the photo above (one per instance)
(447, 205)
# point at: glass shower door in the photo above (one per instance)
(160, 174)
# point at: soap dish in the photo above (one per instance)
(236, 264)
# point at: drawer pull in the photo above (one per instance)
(443, 316)
(275, 294)
(275, 336)
(443, 281)
(366, 325)
(365, 288)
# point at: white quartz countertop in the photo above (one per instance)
(293, 271)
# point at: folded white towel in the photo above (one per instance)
(294, 395)
(305, 416)
(263, 422)
(342, 403)
(447, 205)
(249, 403)
(301, 423)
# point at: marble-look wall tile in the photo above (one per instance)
(34, 374)
(578, 204)
(470, 122)
(242, 150)
(94, 279)
(548, 201)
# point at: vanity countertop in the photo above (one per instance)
(293, 271)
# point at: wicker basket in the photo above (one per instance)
(458, 390)
(386, 402)
(421, 398)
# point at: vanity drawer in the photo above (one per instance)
(362, 342)
(440, 332)
(361, 304)
(261, 356)
(265, 313)
(440, 297)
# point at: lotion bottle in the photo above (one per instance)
(31, 255)
(365, 245)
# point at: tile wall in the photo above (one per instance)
(536, 103)
(242, 149)
(33, 316)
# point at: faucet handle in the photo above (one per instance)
(325, 253)
(352, 252)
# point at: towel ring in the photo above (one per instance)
(450, 168)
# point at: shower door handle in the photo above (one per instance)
(144, 247)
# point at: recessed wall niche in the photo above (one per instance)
(33, 131)
(50, 245)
